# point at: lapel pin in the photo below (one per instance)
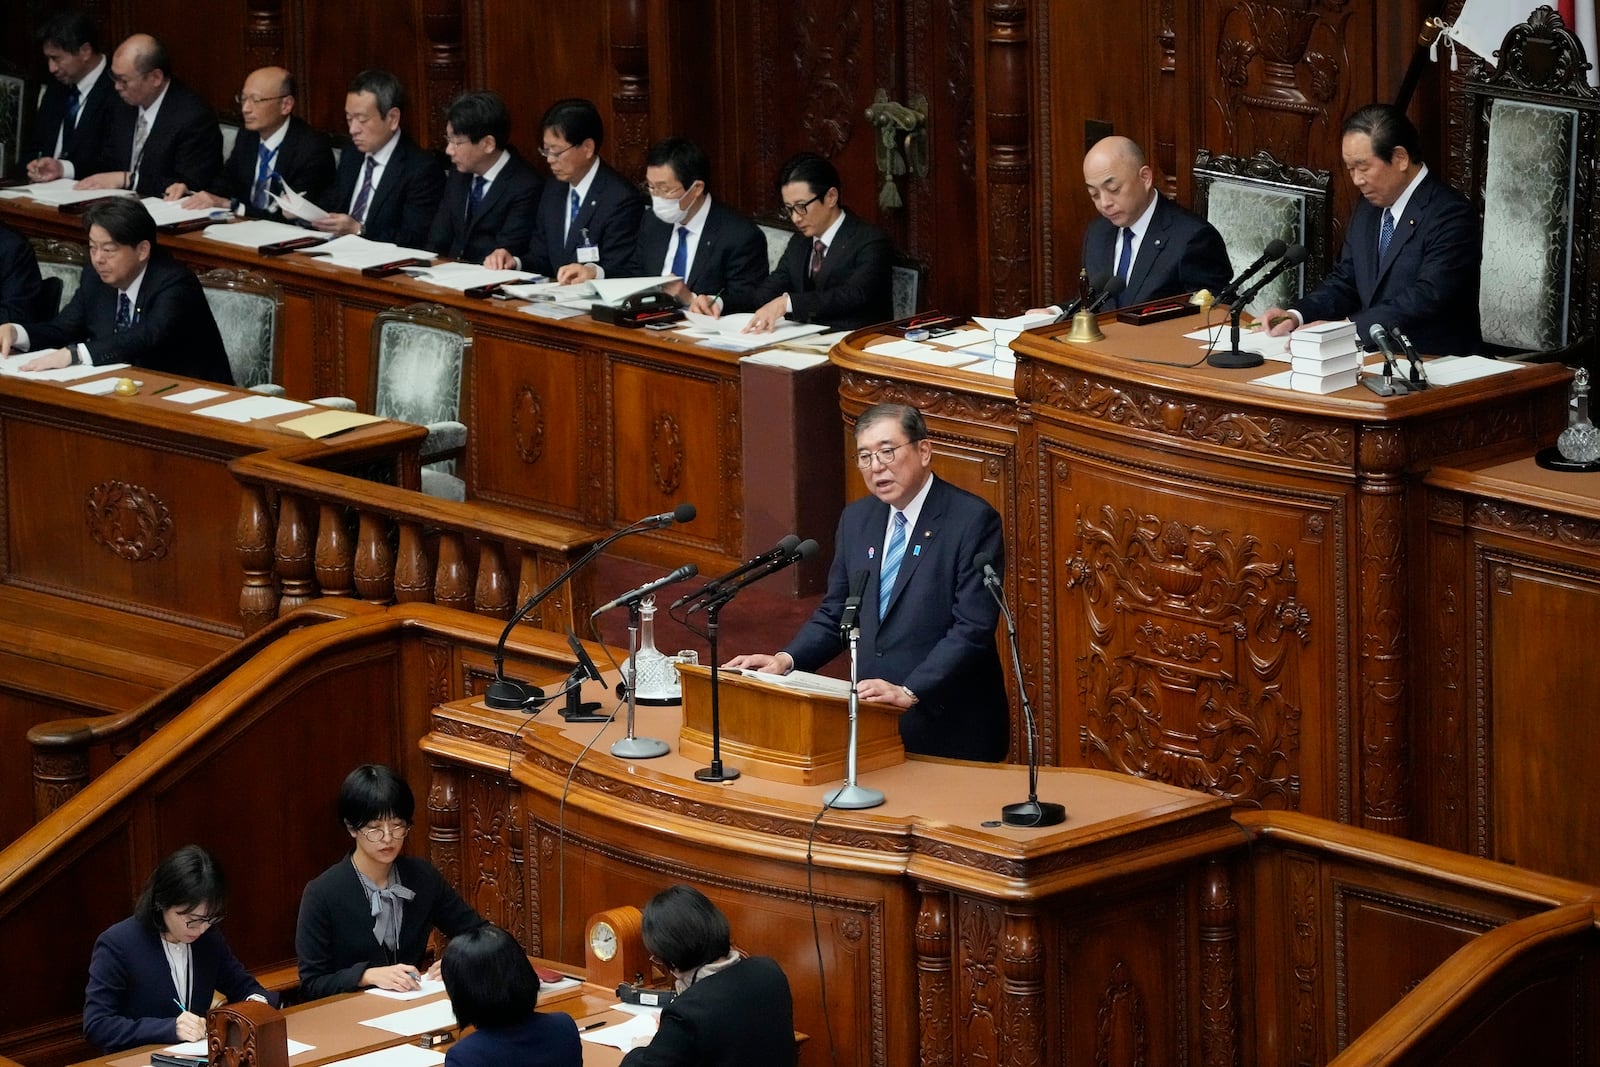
(916, 550)
(871, 552)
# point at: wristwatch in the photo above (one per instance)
(906, 689)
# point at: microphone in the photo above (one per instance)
(503, 694)
(1095, 284)
(1030, 812)
(1292, 258)
(852, 602)
(633, 596)
(681, 513)
(1388, 386)
(804, 550)
(1419, 376)
(1274, 250)
(1114, 286)
(784, 547)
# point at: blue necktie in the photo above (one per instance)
(572, 216)
(475, 198)
(1385, 233)
(359, 211)
(74, 100)
(263, 175)
(680, 258)
(892, 555)
(124, 314)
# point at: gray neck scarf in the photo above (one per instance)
(388, 908)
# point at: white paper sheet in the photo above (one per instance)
(1452, 370)
(802, 681)
(253, 233)
(297, 205)
(1015, 322)
(464, 276)
(1251, 339)
(359, 253)
(394, 1056)
(624, 1036)
(728, 332)
(199, 1048)
(423, 1019)
(11, 366)
(551, 311)
(169, 212)
(247, 408)
(194, 396)
(789, 360)
(60, 192)
(100, 386)
(430, 986)
(899, 348)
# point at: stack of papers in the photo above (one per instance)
(11, 366)
(358, 253)
(247, 408)
(61, 191)
(728, 333)
(464, 276)
(253, 233)
(171, 212)
(924, 352)
(611, 291)
(292, 203)
(1218, 337)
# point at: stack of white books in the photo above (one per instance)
(1324, 357)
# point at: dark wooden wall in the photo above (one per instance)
(1014, 90)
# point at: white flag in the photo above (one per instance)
(1482, 26)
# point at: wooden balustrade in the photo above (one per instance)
(306, 534)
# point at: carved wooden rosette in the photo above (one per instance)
(1192, 632)
(130, 521)
(247, 1034)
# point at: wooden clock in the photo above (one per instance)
(613, 947)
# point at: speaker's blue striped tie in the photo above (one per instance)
(892, 555)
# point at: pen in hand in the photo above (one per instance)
(597, 1024)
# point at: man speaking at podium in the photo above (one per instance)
(927, 623)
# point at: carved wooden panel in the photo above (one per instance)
(526, 447)
(1195, 631)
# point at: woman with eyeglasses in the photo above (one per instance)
(731, 1009)
(365, 920)
(152, 976)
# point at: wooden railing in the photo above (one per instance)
(306, 533)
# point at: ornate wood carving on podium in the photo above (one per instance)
(247, 1034)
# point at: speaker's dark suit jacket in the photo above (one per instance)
(737, 1017)
(333, 937)
(503, 220)
(131, 999)
(305, 163)
(88, 142)
(610, 213)
(732, 254)
(1427, 283)
(1181, 252)
(184, 145)
(938, 636)
(21, 287)
(403, 205)
(854, 288)
(173, 329)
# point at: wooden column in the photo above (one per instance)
(1005, 198)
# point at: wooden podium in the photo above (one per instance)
(784, 734)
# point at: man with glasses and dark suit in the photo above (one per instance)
(703, 243)
(836, 270)
(489, 199)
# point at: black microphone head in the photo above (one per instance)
(982, 560)
(789, 543)
(1097, 282)
(1114, 285)
(683, 513)
(1274, 249)
(1295, 254)
(807, 549)
(688, 570)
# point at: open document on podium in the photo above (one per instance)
(801, 681)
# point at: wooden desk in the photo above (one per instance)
(1220, 582)
(334, 1027)
(1508, 738)
(944, 940)
(577, 420)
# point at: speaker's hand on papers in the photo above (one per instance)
(398, 977)
(49, 359)
(573, 273)
(335, 223)
(763, 664)
(701, 304)
(47, 169)
(202, 199)
(111, 179)
(500, 259)
(767, 315)
(881, 692)
(190, 1027)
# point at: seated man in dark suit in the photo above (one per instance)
(927, 623)
(1412, 252)
(21, 287)
(1155, 246)
(835, 270)
(707, 245)
(72, 132)
(588, 218)
(388, 187)
(489, 199)
(167, 134)
(275, 148)
(135, 304)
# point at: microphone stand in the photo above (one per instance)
(850, 795)
(1033, 811)
(1235, 357)
(631, 747)
(716, 772)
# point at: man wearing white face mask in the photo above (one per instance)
(704, 243)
